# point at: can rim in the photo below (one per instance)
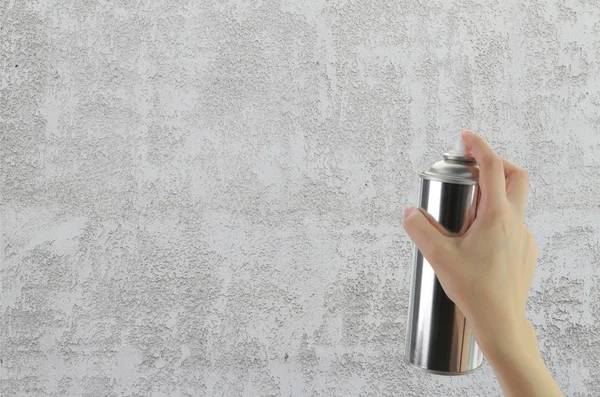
(448, 179)
(443, 373)
(459, 157)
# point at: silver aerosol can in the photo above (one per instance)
(438, 337)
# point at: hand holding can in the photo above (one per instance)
(439, 339)
(487, 270)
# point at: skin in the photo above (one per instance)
(487, 271)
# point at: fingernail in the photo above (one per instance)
(467, 132)
(409, 211)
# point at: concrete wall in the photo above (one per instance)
(204, 198)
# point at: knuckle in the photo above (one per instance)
(531, 241)
(494, 213)
(522, 178)
(497, 213)
(496, 162)
(493, 162)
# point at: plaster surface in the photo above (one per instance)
(204, 198)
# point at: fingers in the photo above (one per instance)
(491, 169)
(434, 245)
(517, 184)
(498, 177)
(436, 224)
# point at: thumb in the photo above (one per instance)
(427, 234)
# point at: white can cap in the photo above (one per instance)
(459, 148)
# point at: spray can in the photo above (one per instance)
(439, 340)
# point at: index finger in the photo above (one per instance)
(517, 184)
(491, 169)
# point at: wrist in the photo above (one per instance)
(506, 339)
(512, 352)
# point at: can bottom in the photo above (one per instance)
(443, 373)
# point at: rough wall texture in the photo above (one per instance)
(205, 197)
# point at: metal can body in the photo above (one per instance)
(439, 339)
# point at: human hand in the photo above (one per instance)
(487, 271)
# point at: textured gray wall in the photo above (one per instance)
(205, 197)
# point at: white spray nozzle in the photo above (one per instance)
(459, 148)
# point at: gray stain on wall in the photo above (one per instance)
(205, 198)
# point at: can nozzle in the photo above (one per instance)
(459, 148)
